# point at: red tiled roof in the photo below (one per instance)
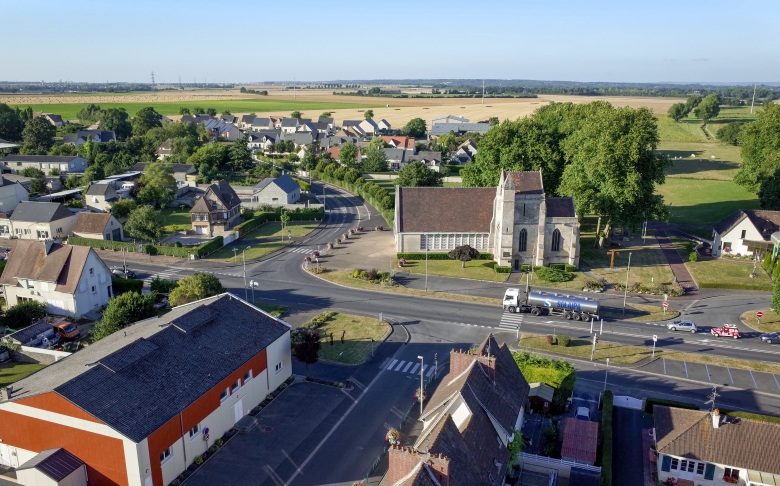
(527, 182)
(580, 440)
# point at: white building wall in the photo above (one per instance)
(76, 478)
(734, 237)
(86, 299)
(279, 352)
(37, 292)
(173, 465)
(65, 224)
(11, 195)
(33, 477)
(717, 478)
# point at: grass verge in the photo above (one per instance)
(258, 241)
(627, 355)
(357, 331)
(641, 312)
(697, 202)
(770, 322)
(723, 274)
(475, 269)
(274, 310)
(343, 278)
(12, 372)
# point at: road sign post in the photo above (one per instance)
(655, 338)
(666, 306)
(601, 329)
(593, 349)
(591, 325)
(759, 315)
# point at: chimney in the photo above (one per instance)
(5, 393)
(440, 467)
(401, 461)
(459, 361)
(716, 419)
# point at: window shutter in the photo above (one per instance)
(666, 464)
(709, 471)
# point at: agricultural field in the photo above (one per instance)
(698, 202)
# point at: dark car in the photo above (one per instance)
(119, 272)
(772, 337)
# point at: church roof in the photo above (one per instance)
(445, 209)
(527, 182)
(560, 207)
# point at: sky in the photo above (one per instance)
(245, 41)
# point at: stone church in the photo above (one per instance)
(515, 221)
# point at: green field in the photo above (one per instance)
(694, 160)
(307, 108)
(262, 241)
(176, 216)
(696, 201)
(357, 331)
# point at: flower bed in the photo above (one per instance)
(373, 276)
(675, 290)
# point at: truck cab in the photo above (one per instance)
(514, 300)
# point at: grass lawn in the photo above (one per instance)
(769, 323)
(258, 241)
(13, 372)
(723, 274)
(697, 202)
(624, 354)
(357, 331)
(700, 232)
(641, 312)
(274, 310)
(648, 264)
(176, 216)
(475, 269)
(343, 278)
(702, 166)
(577, 283)
(387, 185)
(453, 184)
(68, 110)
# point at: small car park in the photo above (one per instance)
(771, 337)
(682, 325)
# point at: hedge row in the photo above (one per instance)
(387, 213)
(735, 286)
(122, 285)
(174, 251)
(210, 246)
(606, 442)
(409, 255)
(501, 269)
(668, 403)
(101, 244)
(563, 266)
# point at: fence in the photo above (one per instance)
(562, 466)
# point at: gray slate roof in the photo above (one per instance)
(560, 207)
(262, 122)
(28, 333)
(290, 122)
(284, 182)
(54, 463)
(39, 158)
(442, 128)
(40, 212)
(301, 138)
(138, 379)
(98, 189)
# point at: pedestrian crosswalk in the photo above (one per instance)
(510, 321)
(300, 250)
(169, 274)
(410, 367)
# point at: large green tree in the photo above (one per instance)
(117, 121)
(38, 136)
(760, 148)
(122, 208)
(708, 109)
(418, 174)
(416, 127)
(368, 114)
(729, 133)
(195, 287)
(145, 223)
(239, 156)
(677, 112)
(207, 160)
(614, 167)
(348, 154)
(23, 314)
(691, 103)
(11, 124)
(124, 310)
(376, 160)
(159, 185)
(145, 120)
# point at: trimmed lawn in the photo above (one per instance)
(648, 264)
(387, 185)
(475, 269)
(769, 323)
(357, 331)
(274, 310)
(723, 274)
(259, 243)
(68, 110)
(577, 283)
(623, 354)
(697, 201)
(702, 166)
(176, 216)
(12, 372)
(343, 278)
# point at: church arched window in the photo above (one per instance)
(556, 241)
(522, 241)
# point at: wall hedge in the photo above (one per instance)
(101, 244)
(174, 251)
(123, 285)
(209, 246)
(735, 286)
(606, 441)
(420, 255)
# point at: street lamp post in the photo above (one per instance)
(234, 254)
(606, 371)
(427, 239)
(420, 395)
(243, 256)
(625, 291)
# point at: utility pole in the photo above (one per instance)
(606, 372)
(243, 256)
(422, 384)
(754, 99)
(625, 291)
(427, 239)
(483, 91)
(154, 86)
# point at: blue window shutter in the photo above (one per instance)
(666, 464)
(709, 471)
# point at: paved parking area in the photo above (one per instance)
(717, 375)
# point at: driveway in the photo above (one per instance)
(627, 425)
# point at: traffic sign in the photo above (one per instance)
(666, 305)
(759, 314)
(655, 338)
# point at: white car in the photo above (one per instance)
(583, 413)
(682, 325)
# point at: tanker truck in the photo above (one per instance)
(568, 306)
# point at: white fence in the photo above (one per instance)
(562, 467)
(40, 355)
(628, 402)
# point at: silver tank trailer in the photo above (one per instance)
(560, 303)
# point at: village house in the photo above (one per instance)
(217, 211)
(99, 197)
(515, 221)
(450, 119)
(164, 150)
(439, 129)
(141, 405)
(222, 129)
(100, 226)
(745, 232)
(80, 138)
(11, 194)
(290, 125)
(70, 280)
(183, 173)
(262, 140)
(468, 423)
(55, 120)
(276, 191)
(41, 220)
(466, 153)
(709, 448)
(63, 163)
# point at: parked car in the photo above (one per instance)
(728, 330)
(682, 325)
(583, 413)
(772, 337)
(66, 330)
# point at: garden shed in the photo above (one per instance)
(540, 397)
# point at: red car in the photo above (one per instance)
(728, 330)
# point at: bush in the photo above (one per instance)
(563, 340)
(693, 257)
(570, 268)
(122, 285)
(198, 460)
(669, 403)
(23, 314)
(502, 269)
(552, 275)
(525, 267)
(210, 246)
(606, 441)
(435, 256)
(558, 266)
(163, 286)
